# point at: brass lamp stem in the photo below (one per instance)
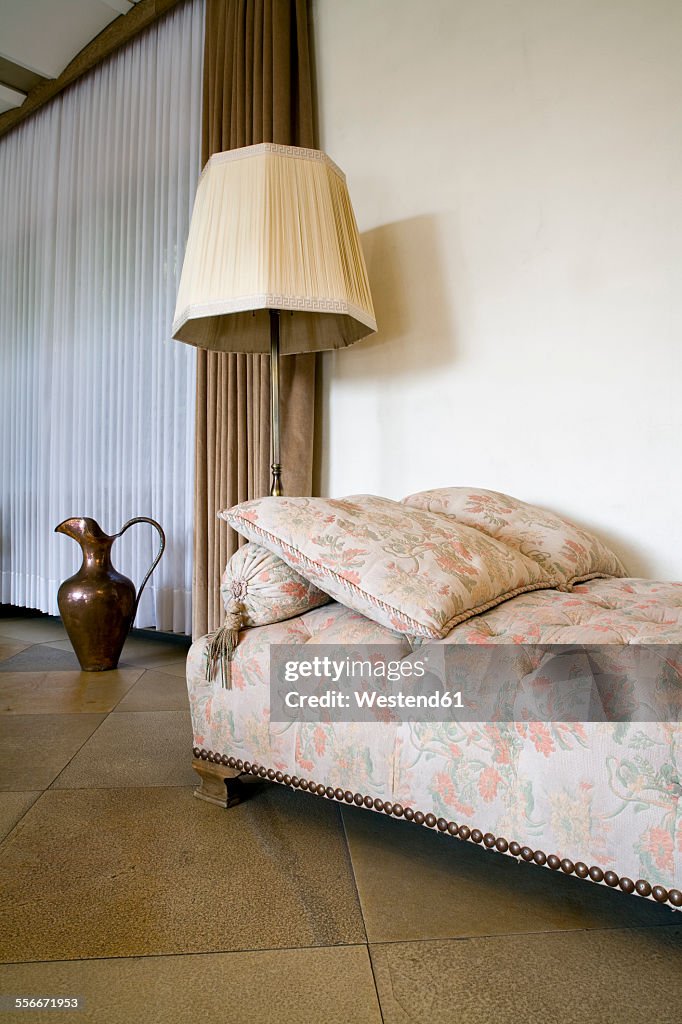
(276, 484)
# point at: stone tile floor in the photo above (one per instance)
(120, 888)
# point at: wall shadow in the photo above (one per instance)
(411, 302)
(413, 306)
(632, 556)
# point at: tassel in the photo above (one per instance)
(222, 643)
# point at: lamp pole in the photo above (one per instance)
(276, 467)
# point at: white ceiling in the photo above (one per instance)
(42, 36)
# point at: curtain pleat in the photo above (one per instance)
(257, 88)
(96, 193)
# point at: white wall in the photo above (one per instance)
(516, 172)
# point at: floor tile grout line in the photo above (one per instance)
(308, 948)
(376, 984)
(150, 635)
(123, 665)
(161, 640)
(105, 715)
(144, 711)
(24, 790)
(80, 789)
(111, 789)
(352, 868)
(123, 696)
(49, 787)
(9, 715)
(188, 952)
(625, 928)
(67, 789)
(46, 672)
(17, 823)
(23, 640)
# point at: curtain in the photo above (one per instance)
(257, 88)
(96, 192)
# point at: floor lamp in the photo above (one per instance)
(273, 263)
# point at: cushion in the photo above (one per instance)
(267, 589)
(414, 571)
(568, 553)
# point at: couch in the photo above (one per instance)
(597, 799)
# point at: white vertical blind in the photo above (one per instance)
(96, 192)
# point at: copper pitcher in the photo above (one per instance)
(98, 604)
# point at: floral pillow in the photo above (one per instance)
(566, 552)
(414, 571)
(266, 588)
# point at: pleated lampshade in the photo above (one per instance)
(273, 228)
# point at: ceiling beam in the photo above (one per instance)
(15, 77)
(10, 99)
(115, 35)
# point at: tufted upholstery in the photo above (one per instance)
(604, 794)
(611, 611)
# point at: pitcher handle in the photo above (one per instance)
(162, 535)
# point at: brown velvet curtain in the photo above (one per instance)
(257, 88)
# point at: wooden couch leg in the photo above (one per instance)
(217, 783)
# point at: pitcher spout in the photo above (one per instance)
(81, 528)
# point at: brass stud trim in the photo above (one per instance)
(496, 843)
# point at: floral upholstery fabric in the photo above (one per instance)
(612, 611)
(413, 571)
(267, 589)
(608, 794)
(566, 552)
